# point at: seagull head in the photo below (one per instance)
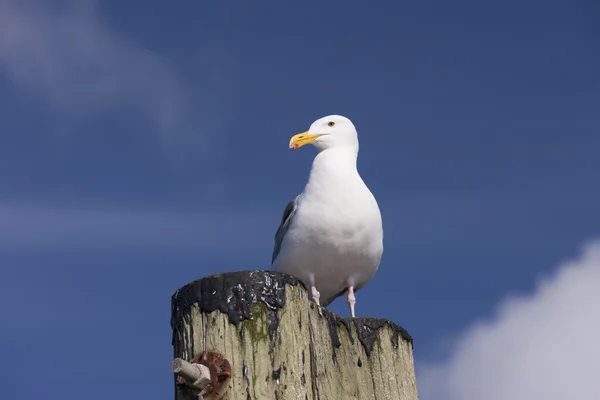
(328, 132)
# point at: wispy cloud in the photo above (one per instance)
(541, 346)
(63, 53)
(33, 228)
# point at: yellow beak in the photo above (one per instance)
(303, 138)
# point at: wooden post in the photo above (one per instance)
(261, 338)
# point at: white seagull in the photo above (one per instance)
(331, 235)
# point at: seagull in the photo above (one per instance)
(331, 235)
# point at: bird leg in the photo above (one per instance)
(351, 300)
(315, 297)
(314, 293)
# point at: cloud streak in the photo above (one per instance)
(35, 228)
(63, 54)
(541, 346)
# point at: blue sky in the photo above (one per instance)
(144, 145)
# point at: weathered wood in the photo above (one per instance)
(280, 347)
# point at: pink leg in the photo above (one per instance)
(351, 300)
(315, 294)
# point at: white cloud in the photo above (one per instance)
(31, 228)
(544, 346)
(64, 54)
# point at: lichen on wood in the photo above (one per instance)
(281, 347)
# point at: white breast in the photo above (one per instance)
(336, 236)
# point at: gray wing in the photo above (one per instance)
(286, 220)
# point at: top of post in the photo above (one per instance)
(234, 294)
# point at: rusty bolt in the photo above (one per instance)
(212, 385)
(195, 375)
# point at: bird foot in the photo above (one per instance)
(315, 294)
(315, 297)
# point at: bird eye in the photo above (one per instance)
(331, 123)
